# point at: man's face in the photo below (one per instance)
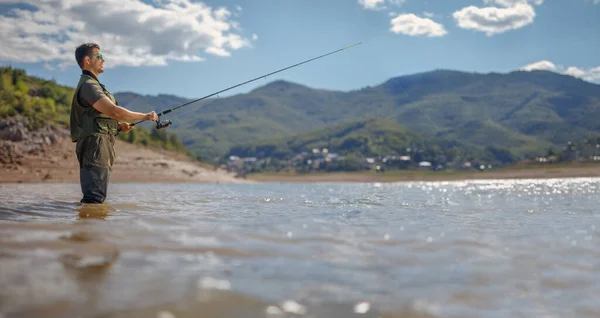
(96, 61)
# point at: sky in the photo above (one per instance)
(194, 48)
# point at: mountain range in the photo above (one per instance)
(524, 113)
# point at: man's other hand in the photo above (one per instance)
(125, 127)
(151, 116)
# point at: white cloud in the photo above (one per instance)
(379, 4)
(575, 71)
(129, 32)
(371, 4)
(413, 25)
(590, 74)
(511, 3)
(540, 66)
(504, 16)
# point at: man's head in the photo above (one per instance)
(89, 58)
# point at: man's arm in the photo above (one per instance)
(108, 108)
(93, 94)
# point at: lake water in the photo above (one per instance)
(507, 248)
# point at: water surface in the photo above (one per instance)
(526, 248)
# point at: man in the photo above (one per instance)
(95, 121)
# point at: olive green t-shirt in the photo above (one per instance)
(90, 93)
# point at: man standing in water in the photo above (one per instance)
(95, 121)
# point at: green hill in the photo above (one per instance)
(522, 112)
(369, 137)
(37, 99)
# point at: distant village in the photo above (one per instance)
(322, 160)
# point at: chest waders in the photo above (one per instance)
(94, 134)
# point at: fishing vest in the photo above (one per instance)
(87, 121)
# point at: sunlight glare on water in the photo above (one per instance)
(481, 248)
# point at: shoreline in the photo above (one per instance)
(548, 171)
(137, 164)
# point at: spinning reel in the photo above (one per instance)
(163, 124)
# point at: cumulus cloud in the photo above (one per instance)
(129, 32)
(540, 66)
(413, 25)
(590, 74)
(500, 16)
(379, 4)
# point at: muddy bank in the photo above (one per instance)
(48, 155)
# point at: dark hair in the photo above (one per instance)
(83, 50)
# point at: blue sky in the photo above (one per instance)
(193, 48)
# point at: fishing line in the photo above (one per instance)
(167, 122)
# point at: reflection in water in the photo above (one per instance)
(93, 257)
(94, 211)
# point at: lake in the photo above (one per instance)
(486, 248)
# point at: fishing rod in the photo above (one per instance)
(166, 123)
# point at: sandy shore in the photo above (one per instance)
(58, 163)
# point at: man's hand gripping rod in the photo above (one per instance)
(167, 123)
